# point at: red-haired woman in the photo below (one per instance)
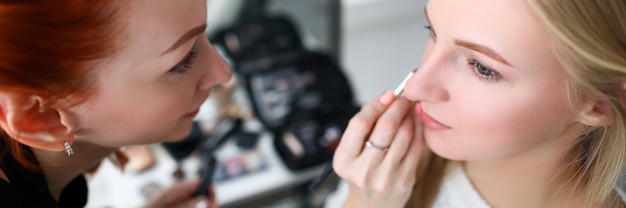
(80, 79)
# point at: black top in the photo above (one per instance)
(29, 189)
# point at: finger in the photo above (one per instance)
(386, 129)
(392, 160)
(213, 203)
(196, 202)
(360, 126)
(178, 192)
(414, 151)
(401, 142)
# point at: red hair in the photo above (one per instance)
(48, 48)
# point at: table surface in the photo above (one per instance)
(114, 188)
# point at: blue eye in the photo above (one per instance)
(482, 71)
(185, 64)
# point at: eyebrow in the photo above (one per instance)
(481, 49)
(473, 46)
(188, 35)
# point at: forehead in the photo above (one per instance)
(510, 27)
(502, 15)
(154, 25)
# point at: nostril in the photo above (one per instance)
(220, 74)
(424, 85)
(205, 83)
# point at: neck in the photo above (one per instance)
(59, 169)
(531, 186)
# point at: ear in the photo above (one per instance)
(597, 113)
(24, 119)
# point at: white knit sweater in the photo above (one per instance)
(456, 191)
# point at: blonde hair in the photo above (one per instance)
(590, 38)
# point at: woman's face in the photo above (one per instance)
(153, 88)
(490, 85)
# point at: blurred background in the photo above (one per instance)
(301, 68)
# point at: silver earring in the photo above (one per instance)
(68, 148)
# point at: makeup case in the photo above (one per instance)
(301, 96)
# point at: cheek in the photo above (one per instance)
(507, 127)
(485, 128)
(136, 117)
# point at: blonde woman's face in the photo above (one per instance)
(490, 86)
(153, 88)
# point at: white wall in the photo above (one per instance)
(382, 41)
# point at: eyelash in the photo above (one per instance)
(185, 64)
(480, 69)
(433, 35)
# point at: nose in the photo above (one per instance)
(218, 71)
(428, 83)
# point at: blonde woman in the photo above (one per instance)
(517, 103)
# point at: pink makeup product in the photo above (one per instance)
(329, 168)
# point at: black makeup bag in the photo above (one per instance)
(301, 96)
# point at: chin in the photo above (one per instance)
(181, 132)
(440, 148)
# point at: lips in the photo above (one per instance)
(429, 121)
